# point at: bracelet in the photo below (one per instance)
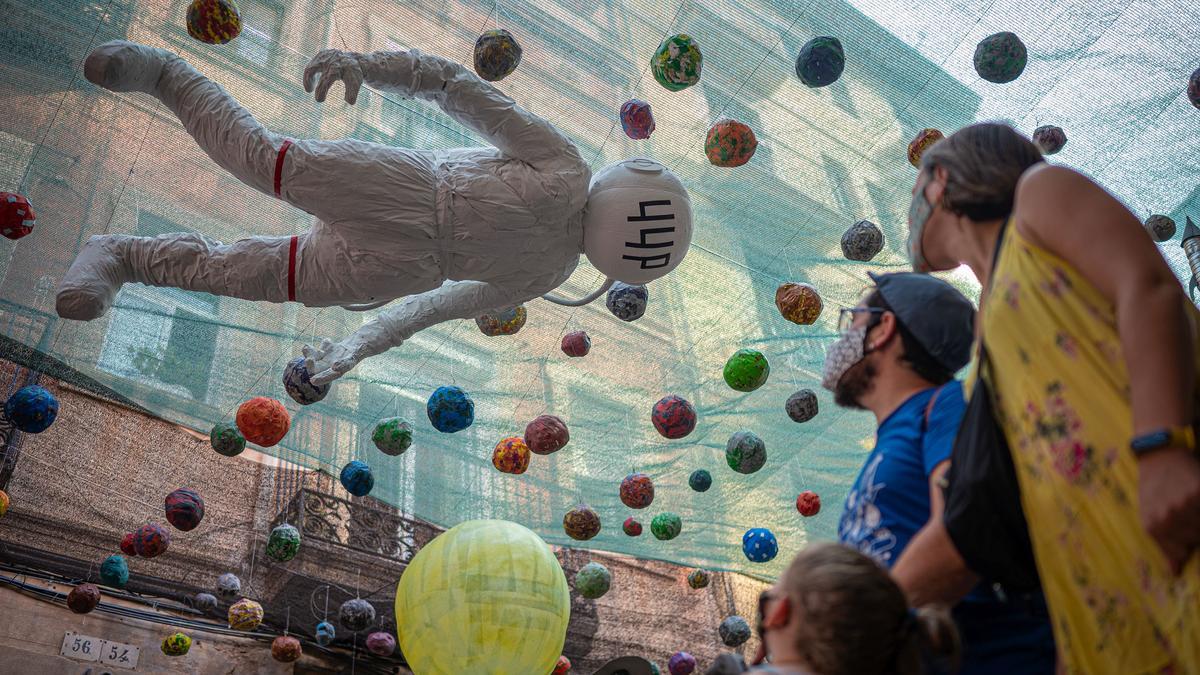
(1171, 437)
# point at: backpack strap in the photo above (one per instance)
(929, 408)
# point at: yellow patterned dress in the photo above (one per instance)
(1063, 400)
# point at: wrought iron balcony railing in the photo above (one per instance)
(362, 525)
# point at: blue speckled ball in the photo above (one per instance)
(297, 383)
(700, 480)
(114, 571)
(626, 302)
(734, 631)
(820, 62)
(759, 545)
(325, 633)
(450, 409)
(357, 479)
(31, 409)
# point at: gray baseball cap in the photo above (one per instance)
(937, 315)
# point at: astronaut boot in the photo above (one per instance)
(125, 66)
(90, 285)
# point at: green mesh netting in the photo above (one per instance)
(1111, 72)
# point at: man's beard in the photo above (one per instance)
(855, 383)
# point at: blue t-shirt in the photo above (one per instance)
(889, 501)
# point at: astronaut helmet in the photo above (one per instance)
(638, 222)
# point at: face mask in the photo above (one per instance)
(919, 213)
(842, 355)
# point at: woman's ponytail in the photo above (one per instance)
(930, 636)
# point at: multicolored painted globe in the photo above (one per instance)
(507, 322)
(576, 344)
(700, 480)
(734, 631)
(83, 598)
(673, 416)
(546, 434)
(357, 478)
(746, 370)
(759, 545)
(229, 586)
(286, 649)
(184, 509)
(802, 405)
(226, 439)
(1000, 57)
(922, 142)
(666, 526)
(808, 503)
(392, 436)
(497, 54)
(798, 303)
(245, 614)
(176, 644)
(699, 579)
(632, 527)
(1049, 139)
(213, 22)
(356, 614)
(862, 241)
(820, 62)
(450, 410)
(31, 409)
(325, 633)
(114, 571)
(284, 543)
(1160, 227)
(745, 452)
(627, 302)
(381, 643)
(511, 455)
(637, 491)
(730, 143)
(151, 540)
(263, 421)
(677, 63)
(637, 119)
(127, 546)
(205, 602)
(581, 523)
(593, 580)
(681, 663)
(297, 382)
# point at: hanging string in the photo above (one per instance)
(287, 624)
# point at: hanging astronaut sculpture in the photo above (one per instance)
(452, 233)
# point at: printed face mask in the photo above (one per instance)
(919, 212)
(842, 355)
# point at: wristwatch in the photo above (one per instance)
(1172, 437)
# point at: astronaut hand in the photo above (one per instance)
(329, 361)
(333, 65)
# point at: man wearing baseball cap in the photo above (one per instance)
(897, 355)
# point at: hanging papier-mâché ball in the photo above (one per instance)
(1193, 88)
(127, 546)
(745, 452)
(627, 302)
(562, 667)
(114, 571)
(1000, 57)
(632, 527)
(666, 526)
(820, 62)
(674, 417)
(802, 405)
(576, 344)
(263, 421)
(593, 580)
(1049, 139)
(245, 614)
(698, 579)
(450, 410)
(1160, 227)
(681, 663)
(700, 480)
(734, 631)
(284, 543)
(325, 633)
(213, 22)
(637, 491)
(677, 62)
(286, 649)
(730, 143)
(356, 615)
(184, 508)
(511, 455)
(205, 602)
(83, 598)
(637, 121)
(226, 439)
(497, 55)
(31, 409)
(746, 370)
(759, 545)
(507, 322)
(381, 643)
(798, 303)
(151, 540)
(4, 502)
(546, 434)
(356, 477)
(297, 382)
(862, 241)
(229, 586)
(176, 644)
(922, 142)
(808, 503)
(16, 216)
(581, 523)
(392, 436)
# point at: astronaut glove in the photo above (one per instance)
(331, 360)
(331, 65)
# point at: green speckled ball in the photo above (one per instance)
(677, 62)
(593, 580)
(745, 452)
(392, 436)
(746, 370)
(284, 543)
(1000, 58)
(698, 579)
(666, 526)
(227, 440)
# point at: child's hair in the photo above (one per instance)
(854, 620)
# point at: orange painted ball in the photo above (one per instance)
(263, 421)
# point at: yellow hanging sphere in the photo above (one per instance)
(486, 596)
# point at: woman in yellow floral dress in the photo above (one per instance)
(1092, 348)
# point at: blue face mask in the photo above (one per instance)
(919, 213)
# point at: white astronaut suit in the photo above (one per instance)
(456, 233)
